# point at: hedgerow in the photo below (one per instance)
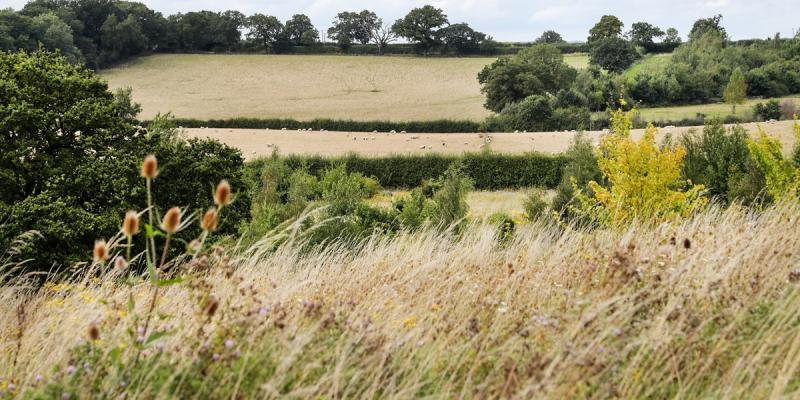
(434, 126)
(489, 171)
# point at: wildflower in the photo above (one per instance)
(209, 222)
(70, 369)
(194, 245)
(130, 225)
(120, 263)
(94, 332)
(229, 343)
(215, 357)
(222, 197)
(172, 220)
(100, 251)
(150, 167)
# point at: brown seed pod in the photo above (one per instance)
(130, 225)
(100, 251)
(171, 220)
(94, 332)
(120, 263)
(222, 196)
(211, 306)
(209, 222)
(150, 167)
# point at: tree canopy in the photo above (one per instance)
(421, 25)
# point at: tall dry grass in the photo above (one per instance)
(707, 307)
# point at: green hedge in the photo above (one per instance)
(435, 126)
(490, 171)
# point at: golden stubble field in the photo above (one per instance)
(261, 142)
(206, 86)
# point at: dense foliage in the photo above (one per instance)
(70, 151)
(488, 171)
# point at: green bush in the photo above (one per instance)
(535, 206)
(768, 111)
(580, 169)
(715, 157)
(69, 167)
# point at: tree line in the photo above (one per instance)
(102, 32)
(536, 90)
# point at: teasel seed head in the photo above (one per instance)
(150, 167)
(209, 222)
(100, 251)
(94, 332)
(172, 220)
(211, 306)
(130, 225)
(222, 197)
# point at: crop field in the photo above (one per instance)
(259, 142)
(306, 87)
(710, 110)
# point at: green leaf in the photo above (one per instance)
(155, 336)
(151, 270)
(170, 282)
(131, 303)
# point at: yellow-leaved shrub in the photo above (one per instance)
(782, 176)
(642, 181)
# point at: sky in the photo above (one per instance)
(524, 20)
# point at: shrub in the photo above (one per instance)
(643, 180)
(768, 111)
(788, 109)
(580, 169)
(535, 206)
(714, 157)
(505, 226)
(782, 176)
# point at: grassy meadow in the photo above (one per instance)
(305, 87)
(720, 110)
(641, 312)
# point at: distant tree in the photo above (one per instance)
(421, 25)
(349, 27)
(381, 35)
(52, 33)
(551, 37)
(609, 26)
(672, 36)
(642, 33)
(736, 90)
(264, 29)
(309, 38)
(299, 25)
(537, 70)
(613, 54)
(705, 25)
(461, 38)
(120, 39)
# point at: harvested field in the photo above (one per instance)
(304, 87)
(255, 142)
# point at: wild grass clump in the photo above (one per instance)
(703, 307)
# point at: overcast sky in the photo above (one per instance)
(524, 20)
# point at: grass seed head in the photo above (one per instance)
(150, 167)
(222, 196)
(172, 220)
(130, 225)
(100, 251)
(120, 263)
